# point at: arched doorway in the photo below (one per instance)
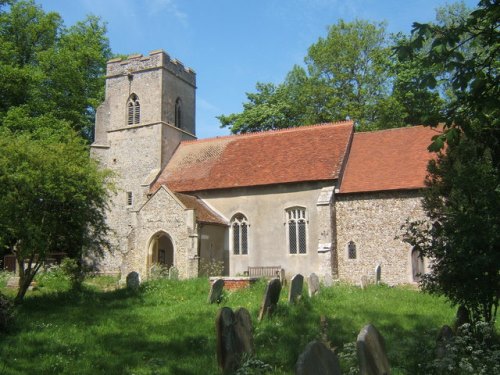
(161, 250)
(417, 265)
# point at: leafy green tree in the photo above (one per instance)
(462, 235)
(53, 197)
(48, 68)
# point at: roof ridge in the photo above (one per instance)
(269, 132)
(431, 127)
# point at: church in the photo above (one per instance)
(320, 198)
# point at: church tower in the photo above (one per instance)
(149, 108)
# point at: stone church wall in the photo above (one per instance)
(373, 221)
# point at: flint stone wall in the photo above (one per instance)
(372, 221)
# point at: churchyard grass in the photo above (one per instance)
(167, 327)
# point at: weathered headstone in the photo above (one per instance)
(295, 292)
(173, 273)
(364, 281)
(328, 281)
(216, 291)
(282, 276)
(313, 284)
(317, 359)
(133, 280)
(378, 274)
(271, 297)
(371, 352)
(243, 329)
(234, 338)
(444, 337)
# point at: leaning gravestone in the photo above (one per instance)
(271, 298)
(371, 352)
(296, 285)
(216, 291)
(313, 284)
(133, 280)
(378, 274)
(234, 338)
(317, 359)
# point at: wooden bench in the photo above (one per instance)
(267, 271)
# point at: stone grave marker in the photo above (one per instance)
(328, 281)
(282, 276)
(271, 297)
(313, 284)
(378, 274)
(216, 291)
(317, 359)
(173, 273)
(364, 281)
(234, 338)
(133, 280)
(370, 348)
(295, 292)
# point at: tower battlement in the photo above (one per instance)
(156, 59)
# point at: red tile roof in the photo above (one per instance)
(394, 159)
(309, 153)
(204, 214)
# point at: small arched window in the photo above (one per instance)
(178, 113)
(239, 228)
(297, 233)
(351, 250)
(133, 110)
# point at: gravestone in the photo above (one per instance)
(313, 284)
(328, 281)
(282, 276)
(133, 280)
(364, 281)
(173, 273)
(370, 348)
(271, 298)
(234, 338)
(378, 274)
(317, 359)
(216, 291)
(444, 337)
(295, 292)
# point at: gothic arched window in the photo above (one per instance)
(297, 230)
(239, 228)
(351, 250)
(133, 110)
(178, 113)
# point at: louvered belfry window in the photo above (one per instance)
(133, 110)
(297, 230)
(239, 226)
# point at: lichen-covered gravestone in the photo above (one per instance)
(317, 359)
(378, 274)
(173, 273)
(371, 352)
(234, 338)
(296, 285)
(216, 291)
(271, 298)
(313, 284)
(133, 280)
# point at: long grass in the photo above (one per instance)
(167, 327)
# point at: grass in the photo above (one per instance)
(168, 328)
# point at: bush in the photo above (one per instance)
(6, 312)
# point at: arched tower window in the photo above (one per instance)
(239, 228)
(133, 110)
(178, 113)
(297, 230)
(351, 250)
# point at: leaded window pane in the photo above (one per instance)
(137, 114)
(244, 240)
(292, 237)
(130, 120)
(236, 238)
(351, 249)
(302, 237)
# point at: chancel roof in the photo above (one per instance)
(393, 159)
(308, 153)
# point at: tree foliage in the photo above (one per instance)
(48, 68)
(463, 200)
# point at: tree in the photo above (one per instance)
(347, 75)
(48, 68)
(462, 202)
(53, 197)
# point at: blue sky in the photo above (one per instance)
(232, 44)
